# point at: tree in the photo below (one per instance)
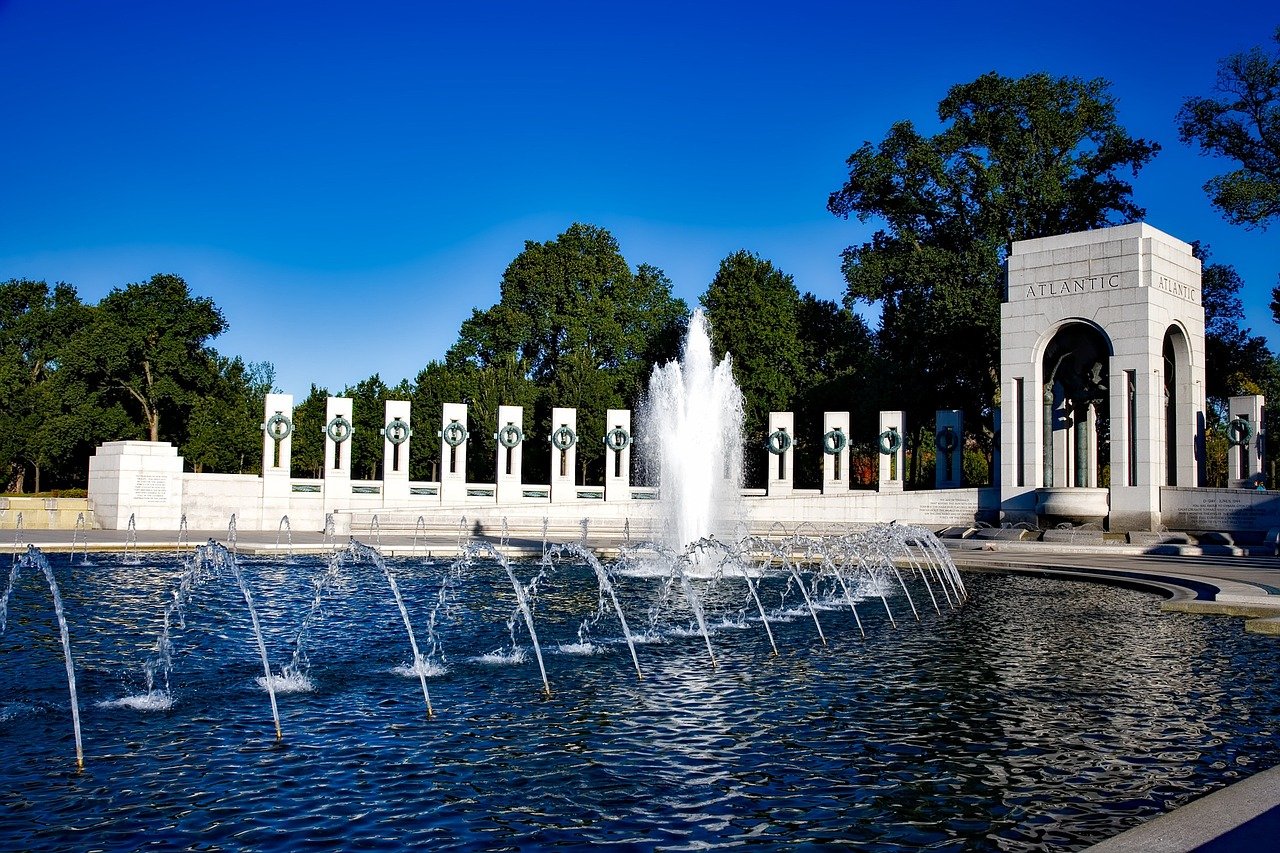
(753, 309)
(148, 344)
(840, 373)
(435, 385)
(224, 432)
(575, 322)
(48, 421)
(307, 442)
(1017, 159)
(1236, 362)
(1242, 124)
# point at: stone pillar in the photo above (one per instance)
(277, 453)
(453, 453)
(948, 441)
(835, 452)
(509, 441)
(892, 438)
(780, 444)
(142, 479)
(337, 453)
(277, 445)
(1245, 440)
(617, 455)
(396, 433)
(564, 454)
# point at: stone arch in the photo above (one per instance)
(1074, 383)
(1179, 396)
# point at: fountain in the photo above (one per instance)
(975, 726)
(692, 417)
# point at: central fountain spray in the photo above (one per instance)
(692, 418)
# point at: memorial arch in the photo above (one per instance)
(1102, 377)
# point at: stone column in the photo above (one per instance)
(277, 445)
(835, 452)
(891, 444)
(780, 445)
(564, 454)
(337, 453)
(948, 441)
(277, 453)
(617, 455)
(453, 453)
(509, 441)
(396, 433)
(1245, 440)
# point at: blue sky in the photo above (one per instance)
(347, 181)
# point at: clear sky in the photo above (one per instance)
(348, 180)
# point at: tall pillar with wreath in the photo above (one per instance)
(396, 433)
(780, 444)
(1245, 441)
(617, 455)
(892, 455)
(277, 443)
(835, 452)
(564, 454)
(453, 453)
(948, 441)
(509, 444)
(337, 453)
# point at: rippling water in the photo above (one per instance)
(1044, 714)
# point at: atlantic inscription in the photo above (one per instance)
(1066, 286)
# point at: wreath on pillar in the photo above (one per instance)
(890, 441)
(779, 442)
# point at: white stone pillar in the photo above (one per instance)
(277, 445)
(277, 453)
(892, 447)
(453, 453)
(835, 452)
(337, 453)
(396, 433)
(509, 441)
(948, 442)
(780, 446)
(564, 454)
(1245, 440)
(617, 455)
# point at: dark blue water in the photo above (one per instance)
(1042, 715)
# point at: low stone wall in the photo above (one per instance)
(1219, 509)
(44, 513)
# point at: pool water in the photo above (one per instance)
(1041, 715)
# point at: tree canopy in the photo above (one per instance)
(1241, 122)
(575, 326)
(147, 346)
(1017, 158)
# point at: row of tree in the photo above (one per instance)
(578, 325)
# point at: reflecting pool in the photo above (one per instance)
(1041, 714)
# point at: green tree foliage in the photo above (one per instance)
(753, 309)
(147, 347)
(574, 325)
(1016, 159)
(1242, 123)
(224, 433)
(435, 385)
(790, 352)
(1236, 362)
(369, 398)
(307, 441)
(49, 421)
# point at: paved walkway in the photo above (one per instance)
(1232, 582)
